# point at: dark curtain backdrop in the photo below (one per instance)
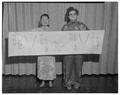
(97, 16)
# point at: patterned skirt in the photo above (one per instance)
(46, 68)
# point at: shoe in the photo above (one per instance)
(42, 84)
(69, 87)
(50, 84)
(77, 86)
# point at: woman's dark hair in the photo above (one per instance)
(67, 13)
(40, 22)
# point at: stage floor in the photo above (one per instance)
(30, 84)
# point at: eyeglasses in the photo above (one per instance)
(72, 14)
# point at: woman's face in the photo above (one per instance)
(45, 21)
(72, 15)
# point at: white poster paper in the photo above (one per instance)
(55, 43)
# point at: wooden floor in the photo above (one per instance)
(30, 84)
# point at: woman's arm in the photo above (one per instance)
(64, 28)
(83, 27)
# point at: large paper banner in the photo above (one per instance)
(55, 43)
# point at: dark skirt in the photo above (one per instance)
(72, 69)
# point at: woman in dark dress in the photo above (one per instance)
(72, 64)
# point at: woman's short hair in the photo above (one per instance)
(40, 22)
(67, 13)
